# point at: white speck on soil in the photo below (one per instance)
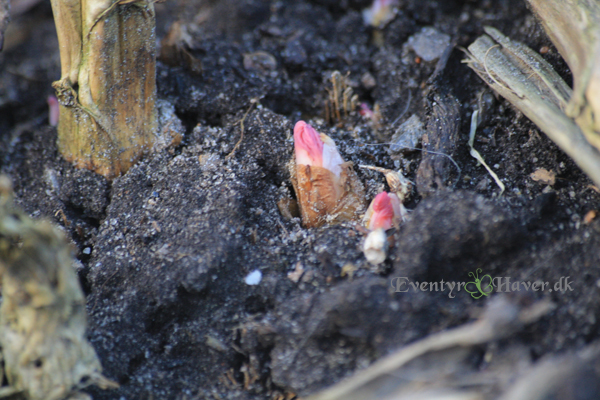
(253, 278)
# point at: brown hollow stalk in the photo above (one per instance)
(107, 89)
(526, 80)
(574, 28)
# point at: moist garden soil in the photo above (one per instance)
(163, 251)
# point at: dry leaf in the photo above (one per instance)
(42, 318)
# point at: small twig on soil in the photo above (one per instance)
(487, 71)
(501, 318)
(63, 216)
(476, 155)
(283, 227)
(241, 122)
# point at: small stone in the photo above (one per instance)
(253, 278)
(429, 43)
(408, 135)
(297, 273)
(544, 176)
(368, 81)
(260, 61)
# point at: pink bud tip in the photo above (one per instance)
(365, 110)
(53, 110)
(385, 212)
(382, 203)
(307, 145)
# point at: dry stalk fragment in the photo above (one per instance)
(107, 88)
(398, 184)
(42, 317)
(574, 28)
(341, 99)
(527, 81)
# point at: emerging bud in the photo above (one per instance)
(308, 145)
(386, 211)
(327, 188)
(316, 149)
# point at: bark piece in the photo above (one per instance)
(441, 137)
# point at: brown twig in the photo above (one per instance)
(241, 122)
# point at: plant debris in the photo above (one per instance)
(544, 176)
(475, 154)
(379, 381)
(43, 320)
(164, 249)
(341, 99)
(525, 79)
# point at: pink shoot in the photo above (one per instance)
(307, 145)
(315, 149)
(386, 211)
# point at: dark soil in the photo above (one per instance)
(164, 250)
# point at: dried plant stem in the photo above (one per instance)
(525, 79)
(574, 28)
(107, 90)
